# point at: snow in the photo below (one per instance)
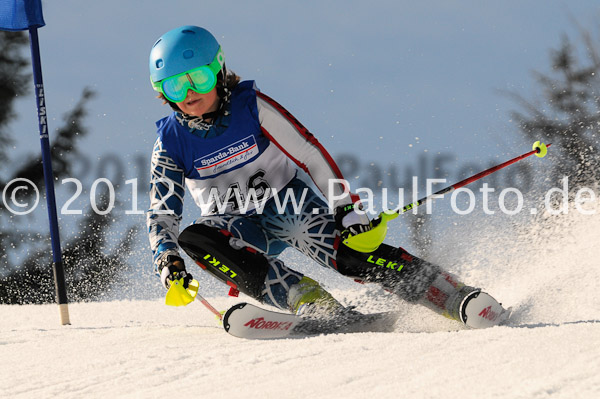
(141, 348)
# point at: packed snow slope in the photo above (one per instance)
(548, 272)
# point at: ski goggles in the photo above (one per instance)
(201, 80)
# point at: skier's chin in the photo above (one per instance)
(196, 107)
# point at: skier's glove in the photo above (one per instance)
(351, 219)
(171, 268)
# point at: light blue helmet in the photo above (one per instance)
(180, 50)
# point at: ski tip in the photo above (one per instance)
(226, 324)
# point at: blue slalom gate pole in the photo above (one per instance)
(57, 265)
(20, 15)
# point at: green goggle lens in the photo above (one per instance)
(201, 80)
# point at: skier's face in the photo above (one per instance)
(197, 104)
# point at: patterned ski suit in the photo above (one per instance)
(242, 171)
(250, 155)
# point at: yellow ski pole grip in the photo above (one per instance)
(370, 240)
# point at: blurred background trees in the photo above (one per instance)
(567, 111)
(90, 267)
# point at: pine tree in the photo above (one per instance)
(569, 115)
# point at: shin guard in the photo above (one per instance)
(241, 267)
(393, 268)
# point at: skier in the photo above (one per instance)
(241, 155)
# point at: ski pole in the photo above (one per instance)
(540, 149)
(209, 307)
(370, 240)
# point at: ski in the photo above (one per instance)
(248, 321)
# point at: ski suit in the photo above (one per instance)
(251, 155)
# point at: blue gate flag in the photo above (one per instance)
(21, 14)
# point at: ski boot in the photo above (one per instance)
(310, 301)
(308, 298)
